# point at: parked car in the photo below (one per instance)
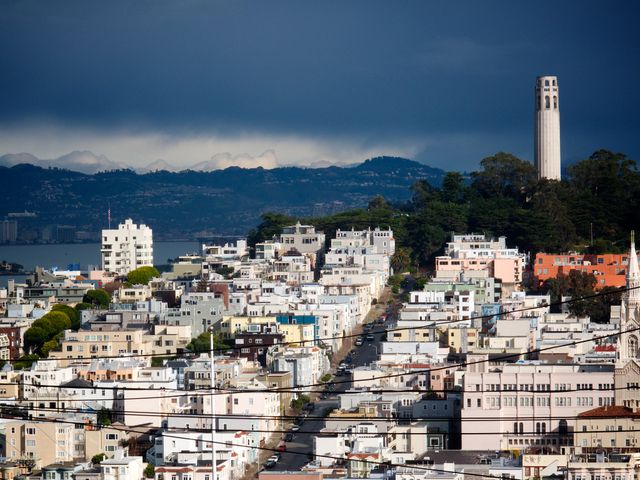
(370, 338)
(295, 428)
(359, 341)
(288, 437)
(269, 464)
(275, 457)
(282, 447)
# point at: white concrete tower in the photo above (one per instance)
(629, 338)
(547, 133)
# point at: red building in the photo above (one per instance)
(609, 268)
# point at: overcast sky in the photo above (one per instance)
(445, 83)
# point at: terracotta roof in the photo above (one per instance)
(362, 455)
(173, 470)
(605, 348)
(614, 411)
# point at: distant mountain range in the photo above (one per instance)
(88, 162)
(192, 203)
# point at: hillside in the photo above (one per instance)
(189, 203)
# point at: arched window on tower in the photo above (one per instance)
(538, 106)
(546, 83)
(555, 102)
(554, 83)
(547, 101)
(632, 346)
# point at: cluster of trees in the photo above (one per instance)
(45, 333)
(142, 275)
(576, 284)
(98, 297)
(592, 209)
(202, 343)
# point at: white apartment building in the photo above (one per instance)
(228, 251)
(382, 240)
(529, 405)
(126, 248)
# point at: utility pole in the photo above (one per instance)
(214, 467)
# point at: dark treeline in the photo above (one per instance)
(592, 209)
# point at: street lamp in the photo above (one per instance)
(213, 409)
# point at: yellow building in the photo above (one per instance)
(89, 344)
(231, 325)
(461, 339)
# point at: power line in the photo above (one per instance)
(294, 452)
(373, 390)
(301, 388)
(360, 419)
(339, 337)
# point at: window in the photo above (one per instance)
(547, 102)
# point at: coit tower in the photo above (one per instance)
(547, 133)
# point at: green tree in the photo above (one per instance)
(50, 345)
(34, 338)
(504, 175)
(25, 361)
(149, 471)
(201, 344)
(378, 202)
(142, 275)
(96, 459)
(271, 225)
(604, 195)
(401, 260)
(98, 297)
(59, 321)
(453, 188)
(104, 416)
(72, 313)
(300, 402)
(422, 192)
(45, 324)
(577, 285)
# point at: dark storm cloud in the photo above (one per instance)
(379, 70)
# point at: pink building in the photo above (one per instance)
(473, 254)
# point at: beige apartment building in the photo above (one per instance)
(612, 427)
(82, 346)
(51, 442)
